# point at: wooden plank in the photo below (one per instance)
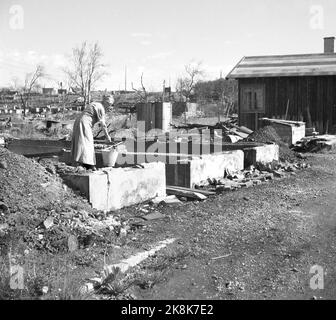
(287, 108)
(185, 193)
(205, 192)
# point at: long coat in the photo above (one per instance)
(82, 146)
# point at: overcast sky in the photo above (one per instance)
(157, 37)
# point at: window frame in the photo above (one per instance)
(248, 104)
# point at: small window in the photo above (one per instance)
(252, 99)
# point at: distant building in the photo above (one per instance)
(48, 91)
(62, 91)
(34, 110)
(122, 92)
(295, 87)
(167, 90)
(8, 94)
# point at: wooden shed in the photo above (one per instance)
(293, 87)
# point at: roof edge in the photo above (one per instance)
(292, 55)
(228, 76)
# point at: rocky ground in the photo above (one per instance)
(253, 243)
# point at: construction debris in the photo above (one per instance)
(165, 200)
(153, 216)
(315, 143)
(204, 192)
(185, 193)
(311, 132)
(3, 165)
(3, 207)
(48, 223)
(221, 257)
(72, 243)
(269, 134)
(253, 176)
(50, 219)
(4, 226)
(289, 131)
(227, 130)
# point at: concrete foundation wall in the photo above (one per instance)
(188, 173)
(262, 154)
(115, 188)
(214, 166)
(253, 153)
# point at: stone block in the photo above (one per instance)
(115, 188)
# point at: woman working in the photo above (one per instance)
(82, 146)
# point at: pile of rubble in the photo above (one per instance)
(231, 132)
(253, 176)
(315, 143)
(228, 130)
(38, 209)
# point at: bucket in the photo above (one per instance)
(109, 157)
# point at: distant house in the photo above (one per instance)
(62, 91)
(122, 92)
(47, 91)
(76, 108)
(34, 110)
(8, 94)
(301, 86)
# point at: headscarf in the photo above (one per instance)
(108, 98)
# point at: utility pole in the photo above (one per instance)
(125, 79)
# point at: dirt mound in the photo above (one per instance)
(268, 135)
(25, 183)
(29, 195)
(265, 135)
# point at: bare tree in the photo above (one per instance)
(30, 84)
(142, 94)
(86, 69)
(186, 84)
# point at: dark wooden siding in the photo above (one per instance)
(316, 94)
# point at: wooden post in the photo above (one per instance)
(228, 109)
(287, 110)
(309, 118)
(256, 122)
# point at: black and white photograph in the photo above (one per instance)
(165, 156)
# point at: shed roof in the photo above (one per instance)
(285, 66)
